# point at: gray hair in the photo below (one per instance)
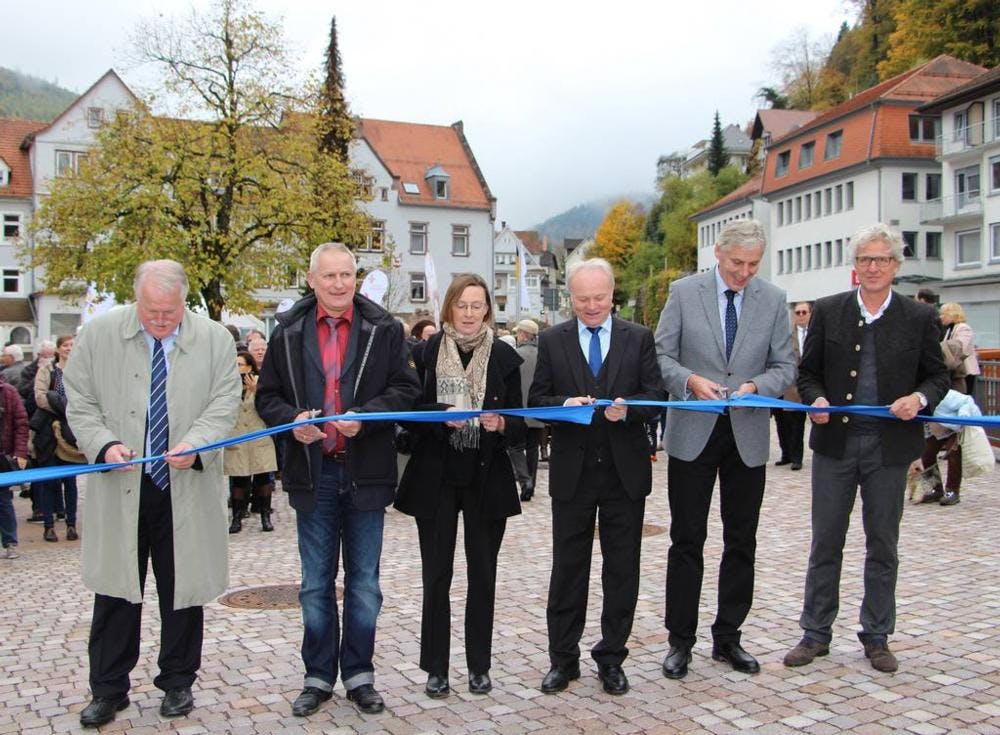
(14, 351)
(167, 275)
(46, 345)
(878, 231)
(743, 233)
(596, 264)
(326, 247)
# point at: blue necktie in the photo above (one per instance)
(594, 356)
(730, 321)
(159, 471)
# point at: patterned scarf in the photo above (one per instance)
(464, 387)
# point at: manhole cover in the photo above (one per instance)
(271, 597)
(648, 529)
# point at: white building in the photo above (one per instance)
(968, 209)
(744, 202)
(511, 306)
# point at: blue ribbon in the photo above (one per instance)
(571, 414)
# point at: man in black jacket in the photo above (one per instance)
(867, 347)
(336, 352)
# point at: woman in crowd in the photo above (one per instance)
(14, 456)
(250, 464)
(945, 437)
(422, 331)
(955, 327)
(461, 467)
(50, 397)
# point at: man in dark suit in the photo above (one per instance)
(721, 331)
(792, 424)
(337, 352)
(870, 347)
(596, 471)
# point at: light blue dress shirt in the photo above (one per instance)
(168, 346)
(720, 289)
(604, 335)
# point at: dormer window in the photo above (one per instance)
(437, 179)
(95, 117)
(4, 174)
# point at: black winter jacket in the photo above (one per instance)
(377, 375)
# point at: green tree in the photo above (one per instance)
(618, 236)
(336, 124)
(718, 156)
(965, 29)
(232, 196)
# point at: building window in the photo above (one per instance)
(967, 247)
(798, 209)
(11, 226)
(828, 200)
(531, 280)
(418, 287)
(932, 183)
(967, 185)
(933, 249)
(818, 204)
(798, 259)
(833, 144)
(788, 211)
(364, 182)
(838, 198)
(4, 175)
(781, 165)
(441, 189)
(909, 187)
(68, 162)
(11, 280)
(924, 128)
(807, 206)
(839, 252)
(910, 244)
(807, 264)
(806, 154)
(781, 262)
(849, 195)
(961, 126)
(384, 193)
(500, 282)
(376, 237)
(828, 259)
(418, 238)
(995, 242)
(95, 117)
(995, 174)
(460, 240)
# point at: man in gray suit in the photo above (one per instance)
(721, 332)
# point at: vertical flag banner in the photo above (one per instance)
(523, 297)
(432, 287)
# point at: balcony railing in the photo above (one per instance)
(969, 137)
(958, 206)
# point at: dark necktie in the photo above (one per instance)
(730, 321)
(331, 394)
(594, 356)
(159, 425)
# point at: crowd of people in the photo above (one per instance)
(722, 333)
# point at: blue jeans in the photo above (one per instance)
(333, 521)
(52, 491)
(8, 521)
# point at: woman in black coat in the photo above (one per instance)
(462, 467)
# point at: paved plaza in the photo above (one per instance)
(947, 641)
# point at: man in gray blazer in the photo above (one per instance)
(721, 332)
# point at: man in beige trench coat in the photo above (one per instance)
(147, 379)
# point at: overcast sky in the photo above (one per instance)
(562, 102)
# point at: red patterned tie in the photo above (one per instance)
(331, 395)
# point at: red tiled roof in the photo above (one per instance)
(409, 150)
(870, 128)
(984, 84)
(531, 240)
(745, 191)
(780, 122)
(12, 135)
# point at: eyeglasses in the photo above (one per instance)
(801, 313)
(880, 260)
(474, 308)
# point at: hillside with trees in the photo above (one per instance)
(30, 98)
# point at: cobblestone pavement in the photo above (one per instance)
(947, 640)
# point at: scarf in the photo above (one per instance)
(463, 387)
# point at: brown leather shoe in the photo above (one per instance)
(71, 534)
(881, 657)
(805, 651)
(50, 535)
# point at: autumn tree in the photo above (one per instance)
(966, 29)
(226, 184)
(618, 235)
(799, 60)
(718, 156)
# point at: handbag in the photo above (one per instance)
(977, 454)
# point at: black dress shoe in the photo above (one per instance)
(309, 701)
(368, 700)
(782, 461)
(734, 654)
(480, 684)
(613, 678)
(675, 665)
(437, 686)
(102, 710)
(796, 465)
(559, 678)
(950, 497)
(177, 702)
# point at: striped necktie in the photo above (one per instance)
(159, 424)
(730, 321)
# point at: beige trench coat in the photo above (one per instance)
(253, 457)
(107, 389)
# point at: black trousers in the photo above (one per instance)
(114, 631)
(483, 536)
(600, 497)
(689, 488)
(791, 432)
